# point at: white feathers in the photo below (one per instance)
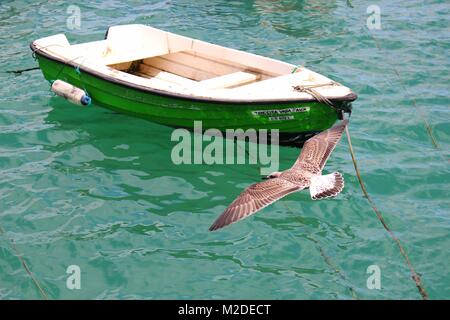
(326, 186)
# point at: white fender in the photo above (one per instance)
(71, 93)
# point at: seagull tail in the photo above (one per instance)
(326, 186)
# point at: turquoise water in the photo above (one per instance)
(96, 189)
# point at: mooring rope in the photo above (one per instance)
(25, 265)
(33, 54)
(327, 259)
(77, 68)
(333, 266)
(66, 62)
(414, 274)
(316, 95)
(20, 71)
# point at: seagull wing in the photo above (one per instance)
(317, 149)
(253, 199)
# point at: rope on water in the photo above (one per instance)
(336, 269)
(328, 260)
(414, 274)
(20, 71)
(25, 265)
(325, 257)
(413, 100)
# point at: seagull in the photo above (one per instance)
(305, 173)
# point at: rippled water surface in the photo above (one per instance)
(96, 189)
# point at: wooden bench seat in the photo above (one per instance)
(229, 80)
(151, 72)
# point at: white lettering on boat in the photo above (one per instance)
(281, 118)
(280, 111)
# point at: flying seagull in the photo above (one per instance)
(306, 172)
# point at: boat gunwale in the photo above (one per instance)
(347, 98)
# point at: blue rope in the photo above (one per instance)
(86, 100)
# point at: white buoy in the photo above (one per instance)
(71, 93)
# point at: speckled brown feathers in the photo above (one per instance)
(317, 150)
(306, 172)
(253, 199)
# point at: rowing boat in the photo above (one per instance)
(175, 80)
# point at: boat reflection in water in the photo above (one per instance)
(175, 80)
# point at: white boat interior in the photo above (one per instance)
(151, 58)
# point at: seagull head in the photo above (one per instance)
(275, 174)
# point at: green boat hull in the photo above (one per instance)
(294, 120)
